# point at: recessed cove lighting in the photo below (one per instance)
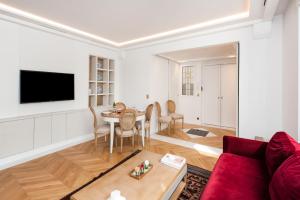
(190, 28)
(42, 20)
(46, 21)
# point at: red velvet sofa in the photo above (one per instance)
(254, 170)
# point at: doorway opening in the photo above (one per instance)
(203, 82)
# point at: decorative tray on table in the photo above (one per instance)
(141, 170)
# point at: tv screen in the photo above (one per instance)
(36, 86)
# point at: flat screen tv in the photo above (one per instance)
(36, 86)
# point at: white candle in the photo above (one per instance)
(115, 195)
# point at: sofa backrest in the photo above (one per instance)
(285, 183)
(280, 147)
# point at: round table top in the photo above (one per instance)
(112, 114)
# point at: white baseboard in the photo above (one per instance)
(36, 153)
(220, 127)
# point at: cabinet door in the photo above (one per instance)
(211, 93)
(228, 95)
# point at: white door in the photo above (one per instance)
(228, 83)
(211, 93)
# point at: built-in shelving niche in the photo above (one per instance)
(101, 81)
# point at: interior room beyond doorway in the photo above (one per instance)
(203, 83)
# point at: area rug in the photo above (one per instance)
(198, 132)
(197, 178)
(68, 196)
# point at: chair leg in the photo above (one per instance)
(105, 138)
(169, 129)
(96, 141)
(182, 122)
(132, 141)
(116, 141)
(121, 144)
(174, 124)
(159, 127)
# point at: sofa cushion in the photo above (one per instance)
(237, 177)
(285, 184)
(280, 147)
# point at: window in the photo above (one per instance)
(187, 84)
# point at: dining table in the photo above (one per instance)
(113, 117)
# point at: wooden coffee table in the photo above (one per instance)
(159, 183)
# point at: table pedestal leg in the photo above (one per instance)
(143, 132)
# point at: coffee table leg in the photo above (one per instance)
(112, 130)
(185, 180)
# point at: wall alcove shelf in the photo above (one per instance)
(101, 81)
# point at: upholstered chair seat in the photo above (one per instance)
(103, 129)
(172, 113)
(128, 133)
(127, 126)
(147, 125)
(165, 119)
(162, 119)
(100, 130)
(176, 116)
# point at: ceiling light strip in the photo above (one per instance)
(43, 20)
(231, 18)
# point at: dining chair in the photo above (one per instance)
(99, 130)
(172, 112)
(127, 126)
(162, 119)
(148, 115)
(120, 106)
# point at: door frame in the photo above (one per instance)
(237, 62)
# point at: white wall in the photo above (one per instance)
(25, 47)
(290, 70)
(260, 75)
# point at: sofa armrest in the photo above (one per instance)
(244, 147)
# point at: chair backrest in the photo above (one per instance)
(127, 119)
(121, 106)
(94, 117)
(171, 106)
(149, 112)
(158, 108)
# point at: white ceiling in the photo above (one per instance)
(120, 20)
(202, 53)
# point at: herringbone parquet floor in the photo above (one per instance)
(216, 141)
(55, 175)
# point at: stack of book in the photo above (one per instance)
(173, 161)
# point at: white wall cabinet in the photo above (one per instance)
(42, 131)
(59, 128)
(22, 134)
(220, 95)
(16, 137)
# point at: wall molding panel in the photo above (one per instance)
(28, 137)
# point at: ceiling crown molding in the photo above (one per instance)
(47, 23)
